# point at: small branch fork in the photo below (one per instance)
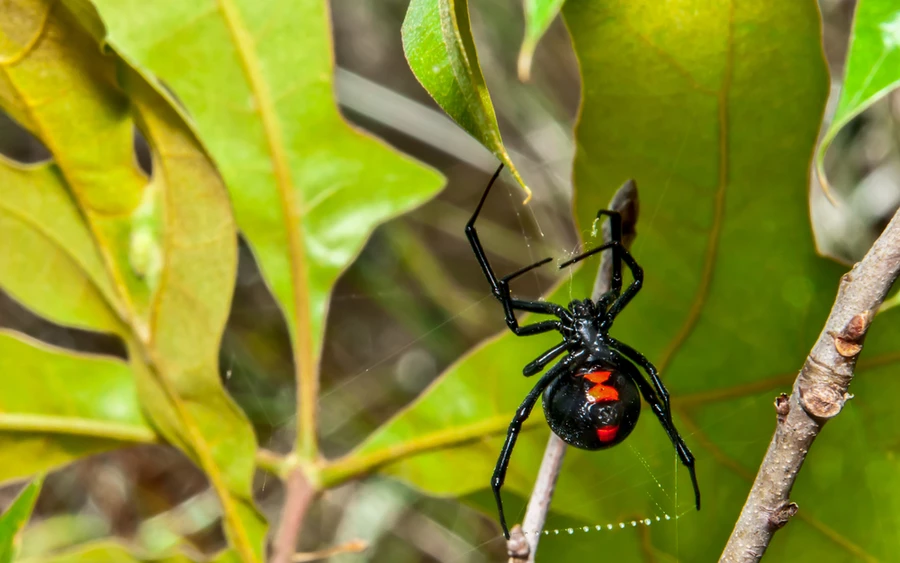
(819, 394)
(521, 547)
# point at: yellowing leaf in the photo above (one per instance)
(182, 389)
(306, 188)
(46, 80)
(48, 260)
(167, 248)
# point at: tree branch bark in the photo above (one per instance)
(523, 540)
(819, 394)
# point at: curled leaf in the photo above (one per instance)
(437, 40)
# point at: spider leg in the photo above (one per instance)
(636, 272)
(472, 235)
(651, 370)
(589, 253)
(658, 399)
(522, 413)
(544, 359)
(615, 231)
(543, 307)
(500, 287)
(510, 305)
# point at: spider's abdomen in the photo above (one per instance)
(593, 409)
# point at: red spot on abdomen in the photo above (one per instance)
(607, 433)
(601, 392)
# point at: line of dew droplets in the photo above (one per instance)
(603, 527)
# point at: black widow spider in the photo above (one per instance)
(591, 397)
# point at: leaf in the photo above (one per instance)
(38, 214)
(167, 247)
(306, 188)
(872, 69)
(57, 406)
(14, 519)
(680, 97)
(110, 551)
(190, 308)
(539, 14)
(437, 40)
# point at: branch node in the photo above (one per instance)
(821, 401)
(780, 516)
(821, 389)
(858, 325)
(848, 342)
(782, 407)
(517, 546)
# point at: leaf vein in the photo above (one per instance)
(712, 246)
(307, 384)
(32, 42)
(64, 250)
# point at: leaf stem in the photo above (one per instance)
(123, 432)
(819, 394)
(273, 462)
(343, 469)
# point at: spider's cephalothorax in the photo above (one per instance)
(592, 395)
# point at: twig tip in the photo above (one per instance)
(517, 545)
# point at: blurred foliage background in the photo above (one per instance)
(413, 302)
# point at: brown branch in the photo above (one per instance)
(522, 547)
(819, 393)
(523, 540)
(299, 495)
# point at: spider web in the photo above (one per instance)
(372, 358)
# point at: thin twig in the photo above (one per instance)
(353, 546)
(298, 496)
(522, 545)
(819, 394)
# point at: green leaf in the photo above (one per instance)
(872, 69)
(437, 40)
(13, 520)
(110, 551)
(56, 407)
(733, 298)
(167, 247)
(306, 188)
(539, 14)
